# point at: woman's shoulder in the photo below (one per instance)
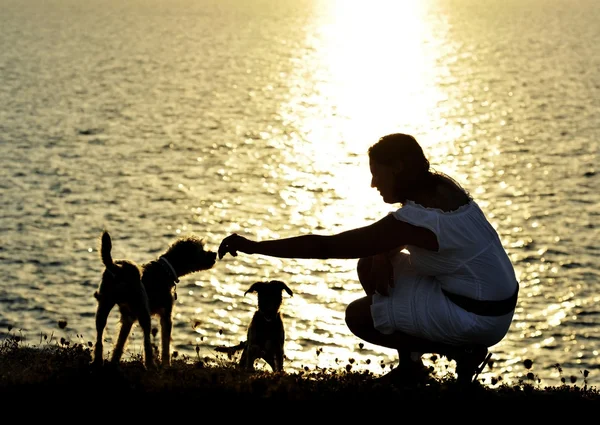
(445, 199)
(447, 196)
(412, 207)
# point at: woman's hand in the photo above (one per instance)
(234, 243)
(382, 274)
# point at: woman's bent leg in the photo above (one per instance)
(360, 323)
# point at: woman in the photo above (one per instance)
(436, 276)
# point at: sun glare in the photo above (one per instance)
(368, 70)
(377, 62)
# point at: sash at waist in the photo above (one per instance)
(482, 307)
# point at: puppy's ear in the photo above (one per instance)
(256, 286)
(283, 287)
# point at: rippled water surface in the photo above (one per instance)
(155, 119)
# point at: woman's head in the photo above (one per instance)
(399, 167)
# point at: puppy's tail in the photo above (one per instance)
(105, 249)
(230, 351)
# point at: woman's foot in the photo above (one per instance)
(406, 374)
(470, 361)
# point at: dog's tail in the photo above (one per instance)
(230, 351)
(105, 249)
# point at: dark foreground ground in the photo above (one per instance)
(63, 374)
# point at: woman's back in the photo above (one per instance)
(471, 260)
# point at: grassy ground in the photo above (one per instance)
(63, 372)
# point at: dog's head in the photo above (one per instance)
(119, 277)
(269, 296)
(188, 255)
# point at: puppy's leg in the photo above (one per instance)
(102, 313)
(272, 361)
(166, 326)
(126, 324)
(274, 355)
(278, 363)
(251, 350)
(244, 359)
(278, 347)
(249, 355)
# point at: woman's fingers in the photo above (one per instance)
(228, 245)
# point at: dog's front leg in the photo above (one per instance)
(102, 313)
(166, 326)
(126, 324)
(146, 325)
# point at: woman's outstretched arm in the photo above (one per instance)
(382, 236)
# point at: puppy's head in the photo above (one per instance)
(188, 255)
(269, 296)
(119, 276)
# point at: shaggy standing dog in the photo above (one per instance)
(141, 292)
(266, 334)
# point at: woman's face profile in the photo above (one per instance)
(383, 178)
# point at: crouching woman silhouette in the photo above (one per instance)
(436, 276)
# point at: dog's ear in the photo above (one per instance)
(283, 287)
(256, 286)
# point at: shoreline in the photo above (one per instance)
(63, 372)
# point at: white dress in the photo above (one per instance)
(471, 261)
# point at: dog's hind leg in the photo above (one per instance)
(166, 327)
(102, 313)
(126, 325)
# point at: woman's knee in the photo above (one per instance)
(363, 267)
(363, 270)
(358, 314)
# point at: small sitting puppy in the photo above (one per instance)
(266, 334)
(141, 292)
